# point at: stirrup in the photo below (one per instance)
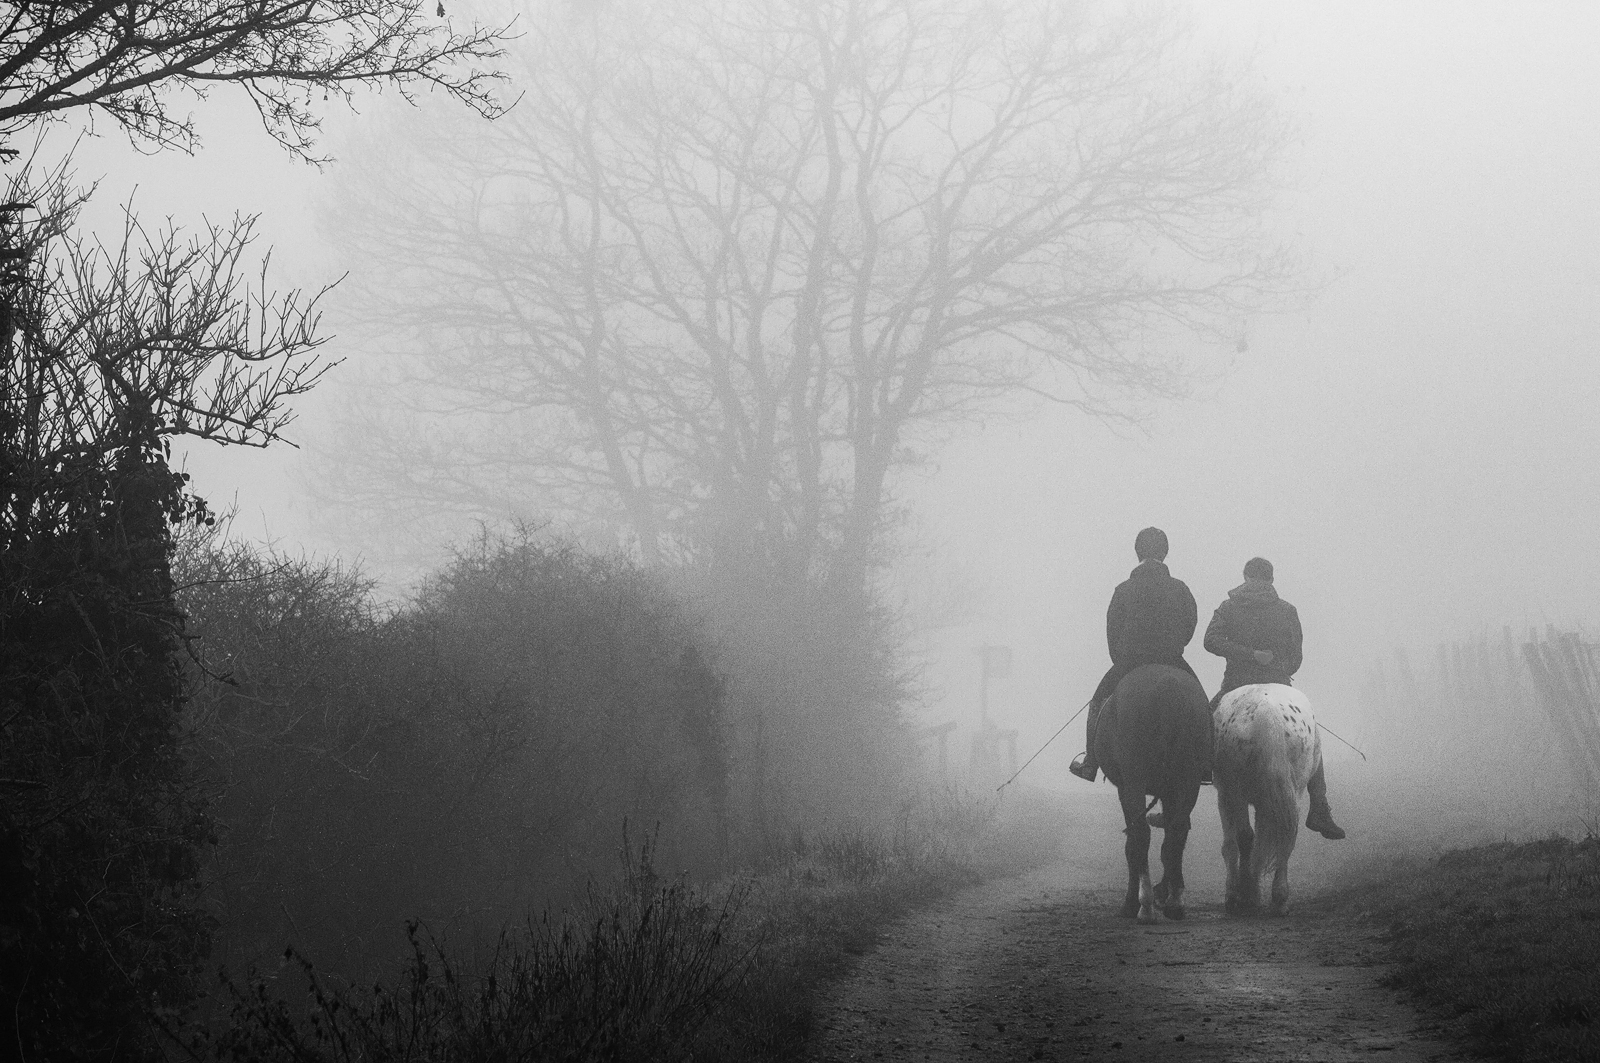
(1082, 769)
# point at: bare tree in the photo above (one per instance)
(125, 58)
(106, 354)
(721, 273)
(110, 352)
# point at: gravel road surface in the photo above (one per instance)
(1041, 967)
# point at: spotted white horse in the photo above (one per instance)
(1266, 748)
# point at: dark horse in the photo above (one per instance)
(1154, 739)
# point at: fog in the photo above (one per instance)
(1414, 451)
(1413, 447)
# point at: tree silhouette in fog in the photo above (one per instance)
(125, 59)
(724, 269)
(109, 355)
(109, 352)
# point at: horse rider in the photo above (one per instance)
(1258, 633)
(1151, 619)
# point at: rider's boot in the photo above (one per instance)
(1320, 820)
(1084, 767)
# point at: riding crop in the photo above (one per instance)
(1047, 742)
(1326, 728)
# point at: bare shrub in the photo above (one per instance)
(816, 732)
(633, 975)
(460, 760)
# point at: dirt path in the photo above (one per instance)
(1041, 967)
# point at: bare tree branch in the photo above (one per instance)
(124, 59)
(110, 349)
(726, 268)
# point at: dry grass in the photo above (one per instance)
(1503, 936)
(655, 969)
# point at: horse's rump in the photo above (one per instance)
(1265, 722)
(1266, 749)
(1155, 730)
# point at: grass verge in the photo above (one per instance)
(1504, 936)
(653, 969)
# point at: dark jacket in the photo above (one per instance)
(1151, 619)
(1255, 618)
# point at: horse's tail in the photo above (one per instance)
(1277, 803)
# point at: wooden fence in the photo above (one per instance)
(1566, 673)
(1521, 715)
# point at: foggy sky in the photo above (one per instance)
(1415, 451)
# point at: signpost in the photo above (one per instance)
(994, 663)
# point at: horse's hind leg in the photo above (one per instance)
(1249, 876)
(1230, 847)
(1237, 842)
(1280, 888)
(1170, 892)
(1140, 899)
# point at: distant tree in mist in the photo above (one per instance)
(727, 266)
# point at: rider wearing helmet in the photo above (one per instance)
(1258, 633)
(1151, 619)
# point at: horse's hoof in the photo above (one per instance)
(1278, 910)
(1149, 918)
(1129, 910)
(1174, 911)
(1161, 893)
(1235, 906)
